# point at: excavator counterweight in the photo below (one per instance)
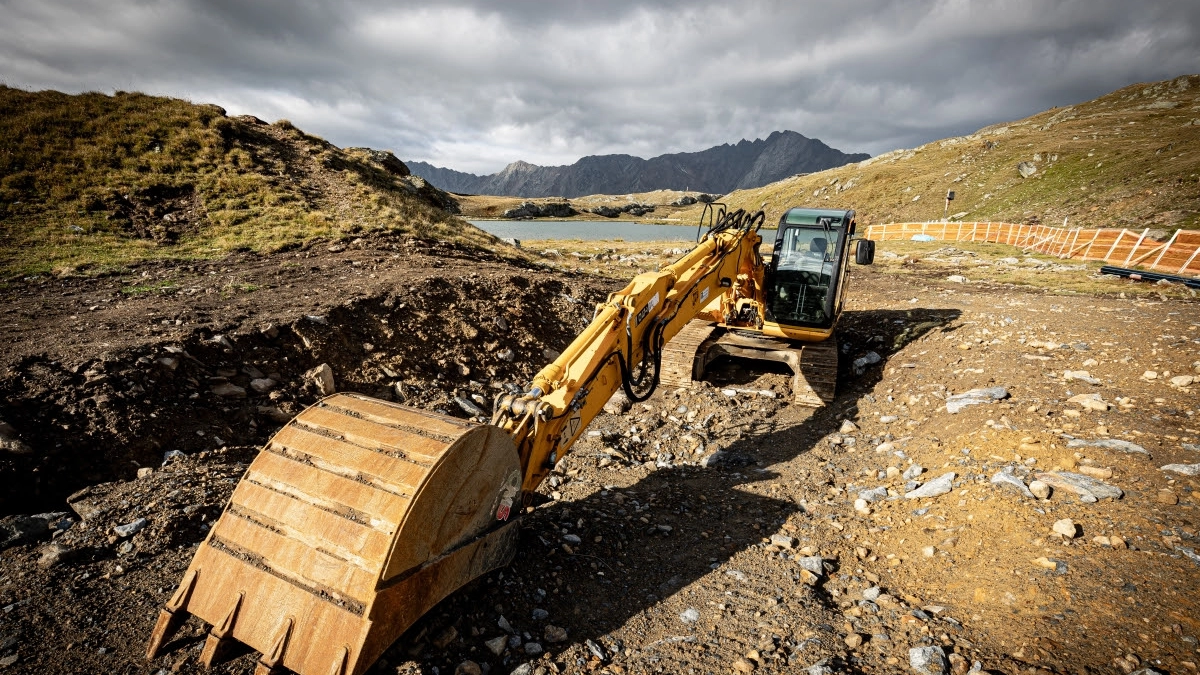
(360, 515)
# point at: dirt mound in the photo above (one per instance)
(97, 412)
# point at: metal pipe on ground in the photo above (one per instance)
(1138, 275)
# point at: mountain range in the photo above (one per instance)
(720, 169)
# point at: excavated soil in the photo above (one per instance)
(709, 530)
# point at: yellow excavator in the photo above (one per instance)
(360, 515)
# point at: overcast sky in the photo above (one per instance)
(475, 85)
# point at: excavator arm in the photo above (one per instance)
(621, 347)
(360, 515)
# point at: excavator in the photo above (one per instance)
(360, 515)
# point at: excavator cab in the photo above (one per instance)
(800, 298)
(802, 285)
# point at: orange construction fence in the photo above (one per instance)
(1123, 248)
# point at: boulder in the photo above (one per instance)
(557, 210)
(524, 210)
(9, 441)
(532, 210)
(1084, 486)
(17, 530)
(957, 402)
(85, 504)
(618, 403)
(262, 384)
(934, 488)
(928, 660)
(1007, 477)
(1107, 444)
(228, 390)
(321, 377)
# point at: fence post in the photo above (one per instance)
(1120, 236)
(1088, 251)
(1066, 240)
(1189, 260)
(1067, 245)
(1165, 248)
(1135, 246)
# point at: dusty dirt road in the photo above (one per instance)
(709, 530)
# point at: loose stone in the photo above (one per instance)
(1039, 489)
(928, 660)
(934, 488)
(1066, 527)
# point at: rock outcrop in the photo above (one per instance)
(531, 210)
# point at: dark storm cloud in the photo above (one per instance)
(474, 85)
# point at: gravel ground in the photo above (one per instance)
(708, 530)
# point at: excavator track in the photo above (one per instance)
(354, 520)
(814, 364)
(679, 355)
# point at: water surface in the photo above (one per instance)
(586, 230)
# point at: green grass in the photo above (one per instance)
(90, 183)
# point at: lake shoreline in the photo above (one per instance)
(585, 230)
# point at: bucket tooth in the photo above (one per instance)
(341, 663)
(219, 638)
(172, 615)
(356, 518)
(271, 661)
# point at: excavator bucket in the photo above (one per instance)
(354, 520)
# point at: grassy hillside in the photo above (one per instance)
(1128, 159)
(96, 181)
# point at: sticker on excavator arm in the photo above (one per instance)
(704, 294)
(508, 492)
(570, 429)
(641, 316)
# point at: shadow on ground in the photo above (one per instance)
(644, 543)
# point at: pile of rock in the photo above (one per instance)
(688, 200)
(633, 209)
(528, 210)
